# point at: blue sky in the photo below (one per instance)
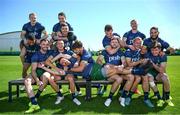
(88, 17)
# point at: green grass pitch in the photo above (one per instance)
(10, 68)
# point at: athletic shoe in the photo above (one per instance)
(22, 87)
(107, 102)
(127, 101)
(76, 101)
(169, 102)
(78, 93)
(33, 108)
(160, 103)
(59, 99)
(148, 103)
(122, 101)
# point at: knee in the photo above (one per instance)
(145, 80)
(47, 75)
(27, 81)
(70, 79)
(119, 80)
(131, 78)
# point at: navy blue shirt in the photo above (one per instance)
(56, 52)
(106, 41)
(114, 59)
(35, 30)
(148, 43)
(133, 54)
(57, 27)
(39, 57)
(131, 36)
(157, 59)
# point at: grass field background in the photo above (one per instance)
(10, 68)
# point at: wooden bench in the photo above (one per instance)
(88, 86)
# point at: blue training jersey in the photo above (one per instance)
(131, 36)
(149, 42)
(133, 54)
(40, 57)
(114, 59)
(56, 52)
(157, 59)
(35, 30)
(87, 57)
(57, 27)
(106, 41)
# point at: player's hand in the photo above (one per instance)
(60, 71)
(40, 65)
(131, 47)
(39, 83)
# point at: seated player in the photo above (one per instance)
(38, 75)
(57, 57)
(159, 73)
(134, 59)
(114, 61)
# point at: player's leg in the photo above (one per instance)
(164, 78)
(70, 78)
(29, 89)
(137, 80)
(145, 87)
(52, 81)
(129, 82)
(22, 54)
(44, 80)
(117, 80)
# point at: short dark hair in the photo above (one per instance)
(156, 45)
(44, 40)
(154, 28)
(77, 44)
(108, 27)
(30, 37)
(63, 24)
(31, 14)
(62, 14)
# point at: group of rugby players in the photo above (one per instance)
(125, 61)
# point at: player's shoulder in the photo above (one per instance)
(27, 24)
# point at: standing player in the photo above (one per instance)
(57, 27)
(129, 36)
(32, 28)
(154, 37)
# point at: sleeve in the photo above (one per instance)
(164, 58)
(73, 61)
(24, 28)
(54, 28)
(103, 53)
(105, 42)
(143, 36)
(34, 58)
(70, 27)
(69, 52)
(125, 36)
(165, 44)
(42, 28)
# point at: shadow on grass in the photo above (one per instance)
(95, 105)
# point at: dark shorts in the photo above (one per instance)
(39, 72)
(153, 73)
(27, 59)
(96, 72)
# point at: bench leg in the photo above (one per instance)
(10, 91)
(88, 90)
(17, 91)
